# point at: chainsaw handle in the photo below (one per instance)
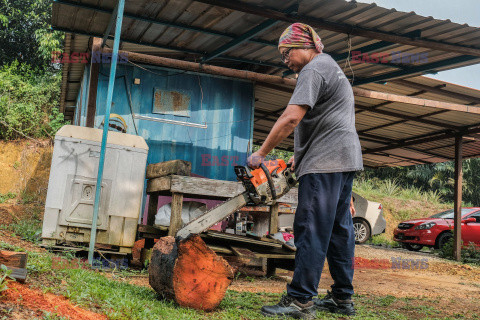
(270, 181)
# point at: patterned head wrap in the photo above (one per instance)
(300, 35)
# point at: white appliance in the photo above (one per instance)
(72, 183)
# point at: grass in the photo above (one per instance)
(118, 299)
(29, 229)
(7, 196)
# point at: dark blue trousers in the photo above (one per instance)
(323, 228)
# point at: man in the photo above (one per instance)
(327, 154)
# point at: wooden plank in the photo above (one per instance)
(275, 256)
(151, 229)
(152, 211)
(176, 214)
(281, 209)
(13, 259)
(159, 184)
(243, 252)
(206, 187)
(93, 84)
(19, 274)
(273, 227)
(162, 169)
(220, 249)
(241, 239)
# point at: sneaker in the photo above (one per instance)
(332, 304)
(290, 307)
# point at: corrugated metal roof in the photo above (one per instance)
(191, 30)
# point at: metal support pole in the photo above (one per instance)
(111, 84)
(457, 247)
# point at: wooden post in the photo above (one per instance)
(176, 214)
(271, 269)
(152, 211)
(457, 248)
(273, 228)
(93, 83)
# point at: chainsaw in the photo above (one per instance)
(264, 185)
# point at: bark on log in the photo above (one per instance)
(189, 272)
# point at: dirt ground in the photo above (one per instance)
(447, 286)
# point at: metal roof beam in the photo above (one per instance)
(273, 13)
(173, 48)
(110, 26)
(414, 70)
(407, 117)
(387, 141)
(358, 92)
(247, 35)
(400, 121)
(427, 138)
(436, 90)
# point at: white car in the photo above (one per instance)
(368, 220)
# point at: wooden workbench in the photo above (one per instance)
(192, 187)
(178, 187)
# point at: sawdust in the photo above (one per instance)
(20, 297)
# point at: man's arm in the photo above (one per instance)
(284, 126)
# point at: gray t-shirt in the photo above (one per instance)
(326, 139)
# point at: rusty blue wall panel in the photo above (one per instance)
(225, 105)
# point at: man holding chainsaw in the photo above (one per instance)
(327, 153)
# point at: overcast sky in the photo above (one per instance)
(459, 11)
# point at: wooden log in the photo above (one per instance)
(13, 259)
(189, 272)
(17, 262)
(162, 169)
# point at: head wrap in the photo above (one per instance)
(300, 35)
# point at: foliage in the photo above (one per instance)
(29, 230)
(25, 34)
(4, 276)
(6, 196)
(434, 181)
(276, 154)
(28, 102)
(469, 254)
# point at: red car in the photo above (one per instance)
(436, 230)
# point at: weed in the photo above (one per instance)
(469, 254)
(383, 240)
(29, 230)
(51, 316)
(11, 247)
(7, 196)
(389, 187)
(16, 165)
(4, 277)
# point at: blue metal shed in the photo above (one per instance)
(206, 120)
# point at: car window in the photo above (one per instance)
(448, 214)
(475, 215)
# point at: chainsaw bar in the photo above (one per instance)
(214, 215)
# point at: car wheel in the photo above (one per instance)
(412, 246)
(443, 239)
(362, 231)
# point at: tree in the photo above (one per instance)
(25, 34)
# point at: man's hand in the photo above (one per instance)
(255, 160)
(352, 208)
(292, 161)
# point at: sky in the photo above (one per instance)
(459, 11)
